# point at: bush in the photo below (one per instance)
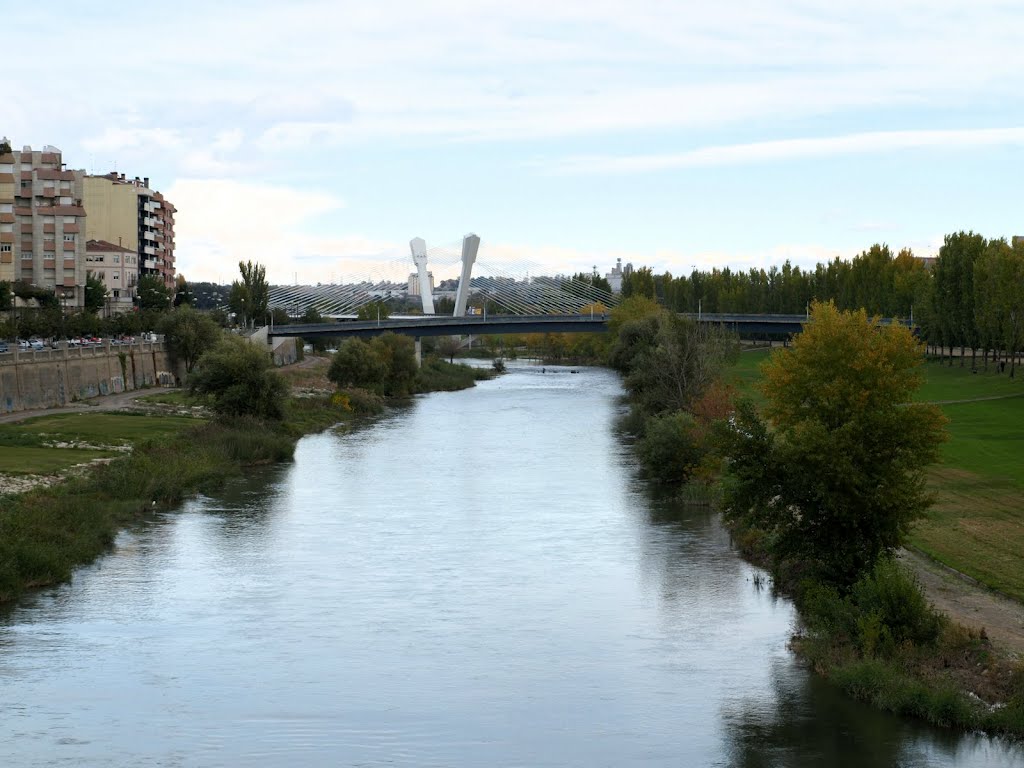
(669, 450)
(236, 376)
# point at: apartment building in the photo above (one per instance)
(118, 268)
(127, 212)
(42, 222)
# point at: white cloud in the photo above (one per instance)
(768, 151)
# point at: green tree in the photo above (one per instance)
(240, 303)
(839, 476)
(954, 290)
(375, 310)
(237, 378)
(6, 296)
(257, 290)
(152, 293)
(357, 364)
(95, 292)
(189, 334)
(399, 354)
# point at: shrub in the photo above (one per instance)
(236, 376)
(669, 450)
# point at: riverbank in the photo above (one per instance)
(48, 531)
(964, 670)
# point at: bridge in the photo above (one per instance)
(469, 325)
(482, 325)
(465, 274)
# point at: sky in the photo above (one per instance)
(318, 137)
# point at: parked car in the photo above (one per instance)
(37, 345)
(4, 348)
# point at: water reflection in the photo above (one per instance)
(477, 579)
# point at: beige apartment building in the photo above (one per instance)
(42, 222)
(118, 268)
(126, 212)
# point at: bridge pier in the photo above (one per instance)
(419, 352)
(418, 246)
(470, 246)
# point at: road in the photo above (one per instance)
(116, 402)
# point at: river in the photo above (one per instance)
(479, 579)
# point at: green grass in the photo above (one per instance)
(943, 383)
(746, 372)
(23, 448)
(34, 460)
(101, 428)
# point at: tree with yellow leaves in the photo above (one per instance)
(835, 474)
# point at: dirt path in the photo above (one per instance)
(969, 603)
(104, 403)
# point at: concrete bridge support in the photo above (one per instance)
(419, 352)
(418, 246)
(470, 246)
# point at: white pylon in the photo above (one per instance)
(418, 246)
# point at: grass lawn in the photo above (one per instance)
(35, 460)
(102, 428)
(22, 449)
(977, 523)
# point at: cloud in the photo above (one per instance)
(223, 221)
(787, 149)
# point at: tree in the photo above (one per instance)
(357, 364)
(6, 300)
(182, 292)
(839, 476)
(375, 310)
(152, 293)
(399, 354)
(189, 334)
(95, 292)
(240, 303)
(237, 377)
(449, 346)
(257, 291)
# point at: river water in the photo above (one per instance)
(479, 579)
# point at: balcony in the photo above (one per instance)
(149, 235)
(150, 250)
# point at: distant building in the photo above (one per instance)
(129, 213)
(617, 274)
(414, 283)
(42, 222)
(118, 268)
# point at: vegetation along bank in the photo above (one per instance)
(252, 415)
(823, 475)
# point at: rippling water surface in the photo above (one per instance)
(477, 580)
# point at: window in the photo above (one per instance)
(70, 219)
(6, 227)
(117, 275)
(65, 201)
(26, 255)
(6, 207)
(69, 238)
(117, 258)
(5, 247)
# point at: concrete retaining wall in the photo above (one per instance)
(51, 378)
